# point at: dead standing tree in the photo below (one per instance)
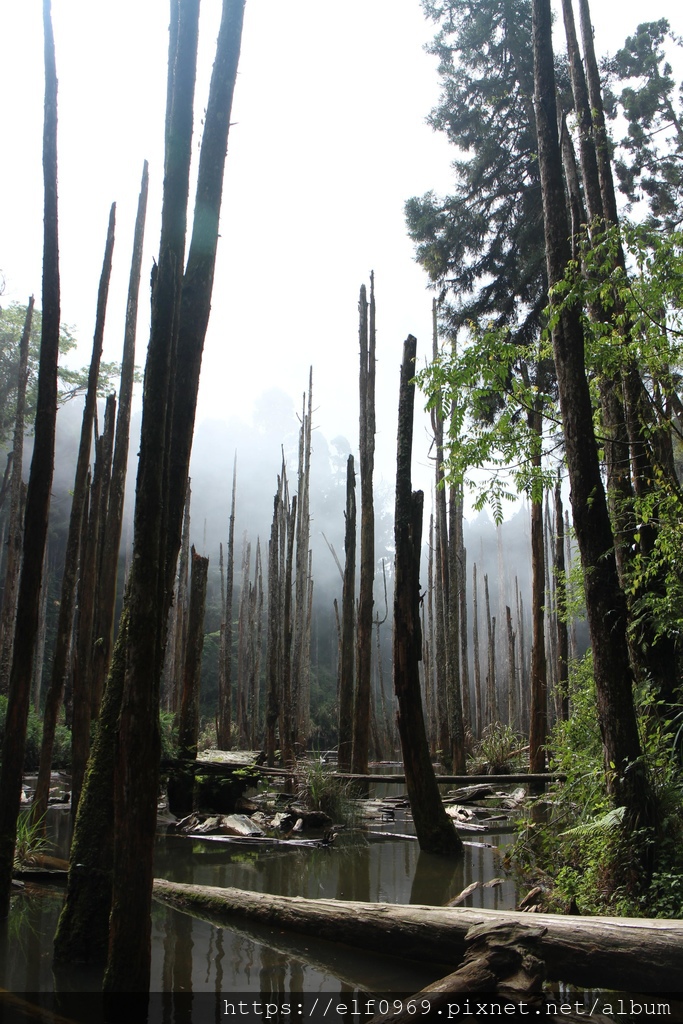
(345, 747)
(362, 711)
(15, 528)
(38, 494)
(434, 828)
(73, 552)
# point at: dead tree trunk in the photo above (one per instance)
(361, 715)
(561, 607)
(188, 718)
(82, 674)
(457, 732)
(491, 708)
(348, 620)
(272, 646)
(224, 724)
(478, 707)
(38, 495)
(106, 590)
(65, 623)
(434, 829)
(15, 527)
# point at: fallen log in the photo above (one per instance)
(632, 954)
(501, 960)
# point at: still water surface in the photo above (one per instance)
(191, 955)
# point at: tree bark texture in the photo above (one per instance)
(38, 494)
(169, 404)
(188, 719)
(361, 716)
(106, 590)
(608, 952)
(15, 527)
(83, 641)
(346, 684)
(434, 829)
(605, 603)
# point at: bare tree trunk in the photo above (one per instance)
(491, 708)
(605, 603)
(82, 675)
(538, 730)
(15, 528)
(255, 636)
(243, 646)
(457, 733)
(38, 495)
(73, 553)
(348, 617)
(512, 679)
(361, 716)
(272, 646)
(561, 607)
(39, 660)
(224, 725)
(188, 718)
(479, 716)
(106, 591)
(434, 829)
(464, 658)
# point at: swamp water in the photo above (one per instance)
(194, 956)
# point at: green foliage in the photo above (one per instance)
(71, 382)
(61, 753)
(498, 392)
(496, 749)
(30, 842)
(483, 243)
(582, 850)
(322, 791)
(648, 163)
(169, 735)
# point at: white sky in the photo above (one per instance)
(329, 141)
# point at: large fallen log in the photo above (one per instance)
(631, 954)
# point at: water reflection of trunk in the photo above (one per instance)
(353, 880)
(178, 949)
(437, 879)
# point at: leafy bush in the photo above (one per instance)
(61, 753)
(496, 749)
(321, 790)
(583, 852)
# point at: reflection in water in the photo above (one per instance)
(193, 955)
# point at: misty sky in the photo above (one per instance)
(328, 142)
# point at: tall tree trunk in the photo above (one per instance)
(188, 718)
(605, 604)
(478, 707)
(72, 558)
(464, 653)
(348, 622)
(106, 590)
(538, 715)
(491, 708)
(361, 716)
(435, 831)
(82, 675)
(457, 732)
(38, 495)
(272, 645)
(15, 528)
(561, 602)
(224, 722)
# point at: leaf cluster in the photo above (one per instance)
(649, 156)
(495, 391)
(483, 243)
